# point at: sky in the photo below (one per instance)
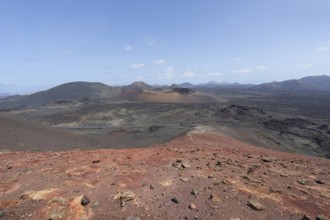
(44, 43)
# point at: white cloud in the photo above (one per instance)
(189, 74)
(322, 49)
(168, 74)
(136, 66)
(128, 48)
(173, 73)
(153, 42)
(238, 59)
(308, 65)
(159, 62)
(261, 67)
(245, 70)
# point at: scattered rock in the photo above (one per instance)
(133, 218)
(194, 192)
(185, 165)
(85, 200)
(125, 196)
(267, 159)
(225, 181)
(318, 181)
(153, 128)
(175, 200)
(192, 206)
(214, 198)
(302, 181)
(180, 165)
(253, 168)
(122, 203)
(255, 205)
(306, 217)
(96, 204)
(184, 179)
(322, 217)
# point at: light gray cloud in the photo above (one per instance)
(128, 48)
(136, 66)
(159, 62)
(305, 66)
(238, 59)
(244, 70)
(261, 67)
(322, 49)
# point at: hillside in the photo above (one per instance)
(29, 136)
(197, 176)
(75, 91)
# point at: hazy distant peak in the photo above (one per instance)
(140, 84)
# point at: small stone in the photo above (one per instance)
(211, 176)
(194, 192)
(184, 179)
(2, 213)
(253, 168)
(318, 181)
(185, 165)
(302, 181)
(122, 203)
(306, 217)
(255, 205)
(322, 217)
(151, 187)
(266, 159)
(216, 183)
(133, 218)
(214, 198)
(85, 201)
(96, 161)
(192, 206)
(175, 200)
(225, 181)
(96, 204)
(125, 196)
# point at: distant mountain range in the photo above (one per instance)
(310, 83)
(142, 92)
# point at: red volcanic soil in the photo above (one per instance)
(197, 176)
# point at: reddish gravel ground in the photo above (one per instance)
(197, 176)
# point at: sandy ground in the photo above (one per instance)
(197, 176)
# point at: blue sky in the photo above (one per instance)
(44, 43)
